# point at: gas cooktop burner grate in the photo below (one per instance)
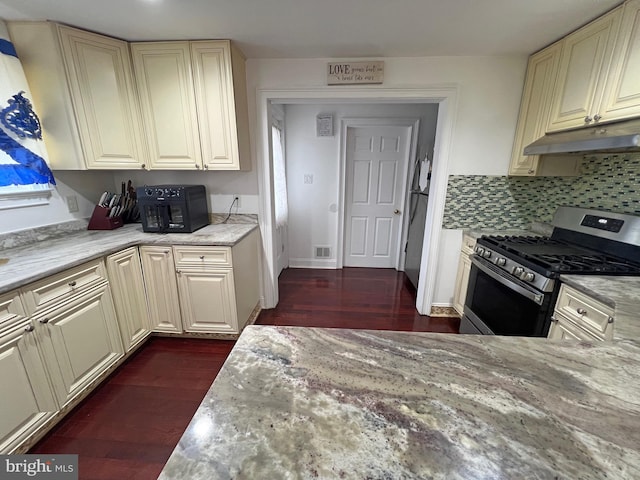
(552, 256)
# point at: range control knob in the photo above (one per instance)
(486, 254)
(527, 276)
(517, 271)
(501, 261)
(480, 251)
(149, 192)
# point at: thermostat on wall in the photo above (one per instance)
(324, 125)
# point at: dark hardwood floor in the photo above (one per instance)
(128, 427)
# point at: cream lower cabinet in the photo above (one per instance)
(127, 287)
(464, 269)
(161, 288)
(27, 399)
(80, 341)
(578, 316)
(202, 289)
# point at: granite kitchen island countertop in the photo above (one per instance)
(40, 259)
(618, 292)
(306, 403)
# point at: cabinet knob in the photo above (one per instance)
(588, 119)
(143, 166)
(581, 311)
(178, 272)
(531, 171)
(197, 167)
(610, 320)
(29, 328)
(597, 117)
(554, 319)
(201, 257)
(206, 167)
(72, 284)
(166, 252)
(396, 212)
(44, 320)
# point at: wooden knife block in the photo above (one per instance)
(100, 220)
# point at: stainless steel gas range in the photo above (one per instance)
(514, 280)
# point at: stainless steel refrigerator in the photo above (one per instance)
(418, 200)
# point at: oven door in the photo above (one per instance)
(498, 304)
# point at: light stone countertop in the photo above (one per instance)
(620, 293)
(306, 403)
(41, 259)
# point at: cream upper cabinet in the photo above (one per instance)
(193, 98)
(83, 91)
(622, 94)
(220, 88)
(165, 85)
(534, 116)
(584, 67)
(127, 287)
(162, 289)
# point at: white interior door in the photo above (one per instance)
(376, 157)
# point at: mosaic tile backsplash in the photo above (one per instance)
(609, 183)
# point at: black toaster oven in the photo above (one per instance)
(173, 208)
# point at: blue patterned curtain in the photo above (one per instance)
(22, 152)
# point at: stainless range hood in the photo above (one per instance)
(605, 138)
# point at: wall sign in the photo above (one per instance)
(355, 73)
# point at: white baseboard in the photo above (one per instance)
(313, 263)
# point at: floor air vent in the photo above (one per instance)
(323, 252)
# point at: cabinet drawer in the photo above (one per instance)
(11, 310)
(564, 329)
(585, 311)
(202, 256)
(468, 244)
(62, 286)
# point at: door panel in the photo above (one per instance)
(376, 156)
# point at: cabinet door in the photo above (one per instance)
(462, 281)
(535, 107)
(563, 329)
(101, 84)
(213, 78)
(622, 95)
(27, 399)
(127, 288)
(80, 340)
(207, 300)
(162, 289)
(165, 85)
(586, 56)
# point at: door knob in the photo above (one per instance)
(397, 212)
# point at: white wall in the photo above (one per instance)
(313, 208)
(489, 92)
(221, 186)
(86, 186)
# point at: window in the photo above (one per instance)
(25, 177)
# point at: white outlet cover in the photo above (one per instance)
(308, 178)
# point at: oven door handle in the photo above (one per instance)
(507, 282)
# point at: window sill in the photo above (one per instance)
(24, 196)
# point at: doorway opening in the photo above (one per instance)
(442, 99)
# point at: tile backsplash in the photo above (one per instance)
(608, 182)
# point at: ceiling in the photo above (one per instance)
(329, 28)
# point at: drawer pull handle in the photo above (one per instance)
(581, 311)
(201, 257)
(29, 328)
(610, 320)
(44, 320)
(178, 272)
(72, 284)
(554, 319)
